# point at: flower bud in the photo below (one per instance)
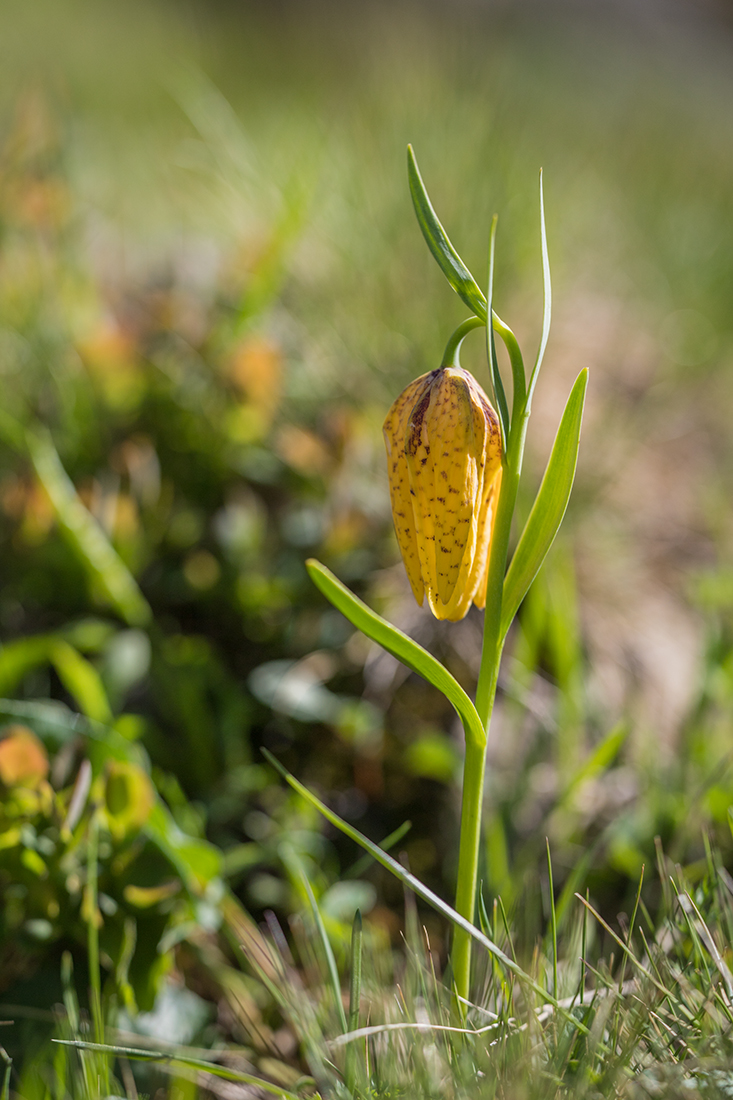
(444, 453)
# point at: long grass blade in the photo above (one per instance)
(352, 1064)
(600, 759)
(8, 1062)
(85, 536)
(553, 918)
(136, 1055)
(364, 862)
(626, 949)
(355, 977)
(296, 867)
(414, 884)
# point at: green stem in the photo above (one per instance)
(519, 378)
(473, 776)
(493, 642)
(452, 348)
(95, 980)
(473, 792)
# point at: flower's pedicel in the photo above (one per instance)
(444, 453)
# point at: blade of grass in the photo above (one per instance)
(355, 979)
(85, 536)
(599, 760)
(297, 870)
(622, 973)
(352, 1056)
(364, 862)
(136, 1055)
(414, 884)
(553, 919)
(82, 681)
(8, 1062)
(706, 937)
(93, 919)
(627, 951)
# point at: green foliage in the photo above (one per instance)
(400, 645)
(549, 506)
(641, 1012)
(448, 260)
(135, 885)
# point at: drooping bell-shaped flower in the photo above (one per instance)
(444, 453)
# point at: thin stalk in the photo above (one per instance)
(95, 979)
(473, 792)
(93, 931)
(519, 379)
(8, 1062)
(493, 642)
(352, 1054)
(553, 920)
(475, 763)
(452, 348)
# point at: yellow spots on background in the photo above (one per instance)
(23, 758)
(256, 370)
(27, 502)
(110, 355)
(302, 450)
(347, 532)
(128, 797)
(201, 570)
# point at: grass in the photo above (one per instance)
(651, 1018)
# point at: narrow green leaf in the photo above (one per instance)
(216, 1070)
(483, 916)
(549, 506)
(18, 657)
(553, 917)
(576, 879)
(365, 861)
(56, 721)
(355, 977)
(449, 262)
(92, 910)
(84, 534)
(289, 857)
(399, 645)
(630, 955)
(502, 407)
(8, 1061)
(601, 758)
(419, 888)
(197, 861)
(81, 679)
(353, 1061)
(547, 295)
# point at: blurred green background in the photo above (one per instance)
(212, 287)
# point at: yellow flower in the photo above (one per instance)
(444, 453)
